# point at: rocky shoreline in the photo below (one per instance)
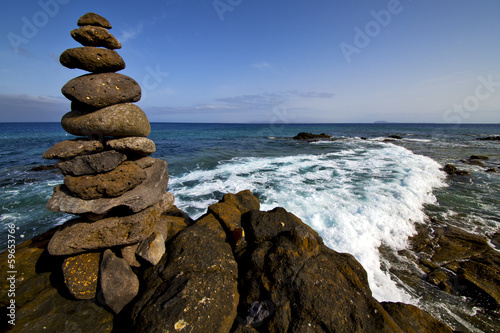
(235, 269)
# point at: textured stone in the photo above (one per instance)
(71, 148)
(80, 235)
(148, 193)
(152, 248)
(101, 90)
(128, 253)
(114, 183)
(89, 35)
(245, 201)
(116, 120)
(411, 319)
(81, 273)
(92, 164)
(93, 19)
(145, 162)
(133, 145)
(118, 282)
(92, 59)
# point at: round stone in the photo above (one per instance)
(118, 120)
(93, 19)
(92, 59)
(134, 145)
(101, 90)
(89, 35)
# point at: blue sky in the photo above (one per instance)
(268, 61)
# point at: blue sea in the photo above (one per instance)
(362, 192)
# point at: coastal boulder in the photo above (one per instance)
(92, 163)
(152, 248)
(92, 59)
(91, 35)
(101, 90)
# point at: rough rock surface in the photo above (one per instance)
(81, 273)
(413, 319)
(92, 59)
(90, 35)
(152, 248)
(128, 253)
(80, 235)
(110, 184)
(101, 90)
(92, 163)
(311, 136)
(118, 282)
(93, 19)
(149, 192)
(133, 145)
(452, 170)
(71, 148)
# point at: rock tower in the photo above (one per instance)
(110, 182)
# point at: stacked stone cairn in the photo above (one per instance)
(117, 190)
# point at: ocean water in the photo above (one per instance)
(360, 192)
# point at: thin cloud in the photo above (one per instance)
(22, 107)
(262, 65)
(131, 33)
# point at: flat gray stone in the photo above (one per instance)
(146, 194)
(128, 253)
(71, 148)
(92, 164)
(134, 145)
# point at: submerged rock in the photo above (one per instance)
(452, 170)
(310, 136)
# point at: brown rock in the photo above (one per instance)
(411, 319)
(146, 194)
(71, 148)
(92, 164)
(118, 282)
(133, 145)
(80, 235)
(101, 90)
(89, 35)
(245, 201)
(93, 19)
(92, 59)
(227, 214)
(128, 253)
(81, 273)
(152, 248)
(114, 183)
(145, 162)
(452, 170)
(124, 119)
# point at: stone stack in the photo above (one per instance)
(118, 191)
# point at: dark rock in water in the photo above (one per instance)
(133, 145)
(93, 19)
(474, 162)
(490, 138)
(92, 59)
(92, 164)
(397, 137)
(195, 283)
(492, 170)
(80, 235)
(452, 170)
(89, 35)
(71, 148)
(310, 136)
(81, 273)
(411, 319)
(110, 184)
(144, 195)
(479, 157)
(118, 282)
(118, 120)
(101, 90)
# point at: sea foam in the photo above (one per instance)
(357, 199)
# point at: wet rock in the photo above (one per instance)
(195, 282)
(92, 163)
(80, 235)
(490, 138)
(133, 145)
(457, 244)
(81, 273)
(311, 136)
(411, 319)
(91, 35)
(439, 278)
(152, 248)
(110, 184)
(71, 148)
(43, 168)
(92, 59)
(118, 282)
(101, 90)
(479, 157)
(93, 19)
(144, 195)
(453, 171)
(396, 137)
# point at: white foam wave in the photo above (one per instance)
(357, 199)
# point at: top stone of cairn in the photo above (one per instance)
(93, 19)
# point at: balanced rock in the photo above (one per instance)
(101, 90)
(81, 273)
(93, 19)
(92, 164)
(152, 248)
(92, 59)
(114, 183)
(118, 282)
(80, 235)
(148, 193)
(135, 145)
(128, 253)
(89, 35)
(120, 120)
(71, 148)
